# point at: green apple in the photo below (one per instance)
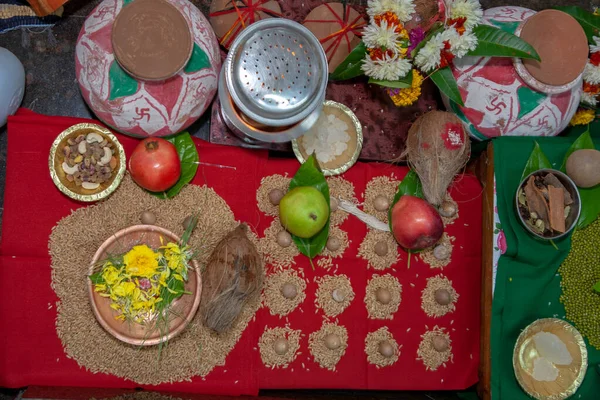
(303, 211)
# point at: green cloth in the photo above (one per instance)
(527, 283)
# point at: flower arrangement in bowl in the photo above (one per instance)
(144, 285)
(400, 58)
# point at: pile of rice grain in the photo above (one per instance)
(274, 299)
(73, 242)
(372, 347)
(340, 188)
(329, 286)
(374, 260)
(267, 184)
(433, 359)
(380, 186)
(324, 356)
(269, 356)
(377, 310)
(431, 307)
(450, 220)
(428, 257)
(275, 255)
(336, 232)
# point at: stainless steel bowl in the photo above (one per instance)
(573, 217)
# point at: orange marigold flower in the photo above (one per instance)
(389, 17)
(459, 24)
(379, 54)
(591, 89)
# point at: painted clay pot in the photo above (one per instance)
(512, 97)
(124, 93)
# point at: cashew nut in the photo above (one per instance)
(90, 185)
(93, 137)
(70, 170)
(82, 147)
(106, 157)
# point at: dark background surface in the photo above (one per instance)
(52, 89)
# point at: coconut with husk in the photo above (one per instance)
(233, 278)
(427, 12)
(437, 148)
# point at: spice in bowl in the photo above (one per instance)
(335, 139)
(87, 162)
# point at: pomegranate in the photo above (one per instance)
(155, 164)
(416, 224)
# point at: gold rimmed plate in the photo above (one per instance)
(59, 177)
(569, 377)
(348, 158)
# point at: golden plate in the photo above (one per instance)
(344, 161)
(69, 188)
(570, 376)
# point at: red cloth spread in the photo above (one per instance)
(31, 353)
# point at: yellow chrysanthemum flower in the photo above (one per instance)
(110, 274)
(583, 117)
(408, 96)
(124, 289)
(141, 261)
(176, 258)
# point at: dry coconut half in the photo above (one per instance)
(435, 348)
(439, 297)
(383, 296)
(381, 348)
(328, 345)
(379, 249)
(340, 188)
(277, 246)
(379, 194)
(440, 254)
(284, 291)
(279, 346)
(334, 294)
(272, 189)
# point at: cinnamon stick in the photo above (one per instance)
(551, 179)
(557, 208)
(535, 201)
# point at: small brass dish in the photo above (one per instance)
(59, 177)
(569, 377)
(348, 158)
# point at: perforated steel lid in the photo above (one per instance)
(276, 72)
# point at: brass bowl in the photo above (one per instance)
(348, 158)
(570, 376)
(183, 309)
(70, 188)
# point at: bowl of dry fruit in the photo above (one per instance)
(87, 162)
(548, 204)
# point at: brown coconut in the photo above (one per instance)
(425, 13)
(226, 21)
(233, 278)
(437, 148)
(333, 13)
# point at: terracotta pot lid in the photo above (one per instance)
(151, 39)
(561, 43)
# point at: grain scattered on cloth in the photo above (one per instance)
(340, 188)
(269, 356)
(334, 294)
(267, 184)
(432, 359)
(376, 309)
(366, 250)
(73, 242)
(273, 298)
(428, 257)
(325, 357)
(342, 237)
(275, 255)
(380, 186)
(431, 307)
(450, 220)
(372, 342)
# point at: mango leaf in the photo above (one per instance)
(597, 287)
(537, 160)
(584, 141)
(494, 42)
(444, 80)
(401, 83)
(588, 21)
(188, 155)
(310, 174)
(590, 206)
(350, 67)
(176, 291)
(411, 186)
(97, 278)
(435, 29)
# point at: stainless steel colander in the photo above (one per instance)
(276, 74)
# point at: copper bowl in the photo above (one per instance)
(143, 334)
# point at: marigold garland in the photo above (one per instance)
(583, 117)
(408, 96)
